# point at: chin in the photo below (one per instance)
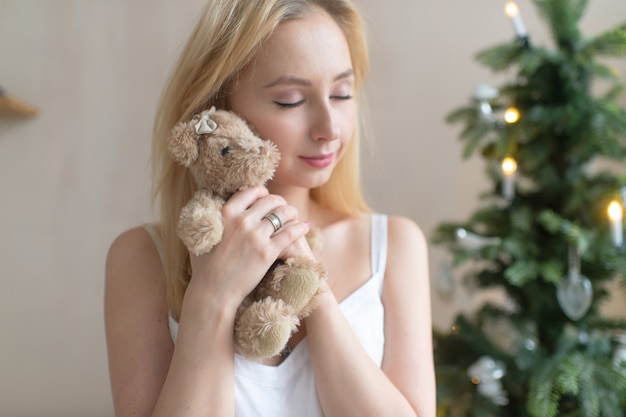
(306, 181)
(318, 182)
(303, 178)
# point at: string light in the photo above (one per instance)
(615, 213)
(509, 168)
(511, 115)
(512, 11)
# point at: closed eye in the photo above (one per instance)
(289, 105)
(301, 102)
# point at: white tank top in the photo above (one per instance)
(288, 390)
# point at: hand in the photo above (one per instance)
(299, 247)
(249, 245)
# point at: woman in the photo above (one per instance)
(293, 70)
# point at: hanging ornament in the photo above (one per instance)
(474, 241)
(484, 94)
(619, 354)
(486, 373)
(575, 292)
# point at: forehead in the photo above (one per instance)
(310, 46)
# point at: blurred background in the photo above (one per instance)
(76, 174)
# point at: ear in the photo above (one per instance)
(183, 143)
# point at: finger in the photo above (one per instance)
(255, 204)
(288, 238)
(297, 248)
(278, 217)
(242, 200)
(275, 220)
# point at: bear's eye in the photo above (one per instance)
(225, 150)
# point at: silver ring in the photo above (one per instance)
(275, 219)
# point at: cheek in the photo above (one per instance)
(349, 125)
(278, 130)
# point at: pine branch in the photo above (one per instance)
(501, 57)
(608, 44)
(563, 17)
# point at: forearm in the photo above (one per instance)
(200, 381)
(348, 382)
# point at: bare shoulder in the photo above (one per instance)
(405, 236)
(133, 252)
(134, 275)
(130, 243)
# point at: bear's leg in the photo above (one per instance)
(298, 282)
(263, 329)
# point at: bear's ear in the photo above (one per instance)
(183, 143)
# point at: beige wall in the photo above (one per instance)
(76, 175)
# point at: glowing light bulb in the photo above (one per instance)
(615, 212)
(509, 168)
(511, 115)
(512, 11)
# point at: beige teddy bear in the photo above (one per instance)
(224, 155)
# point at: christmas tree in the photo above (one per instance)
(548, 234)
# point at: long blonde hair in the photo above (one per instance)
(226, 38)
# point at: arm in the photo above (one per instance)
(149, 375)
(348, 381)
(139, 343)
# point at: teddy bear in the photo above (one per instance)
(224, 155)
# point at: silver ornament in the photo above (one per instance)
(575, 293)
(474, 241)
(486, 373)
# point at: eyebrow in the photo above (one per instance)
(293, 80)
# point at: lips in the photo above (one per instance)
(319, 161)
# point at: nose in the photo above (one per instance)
(324, 123)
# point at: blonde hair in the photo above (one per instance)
(224, 41)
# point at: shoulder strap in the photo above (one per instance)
(378, 243)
